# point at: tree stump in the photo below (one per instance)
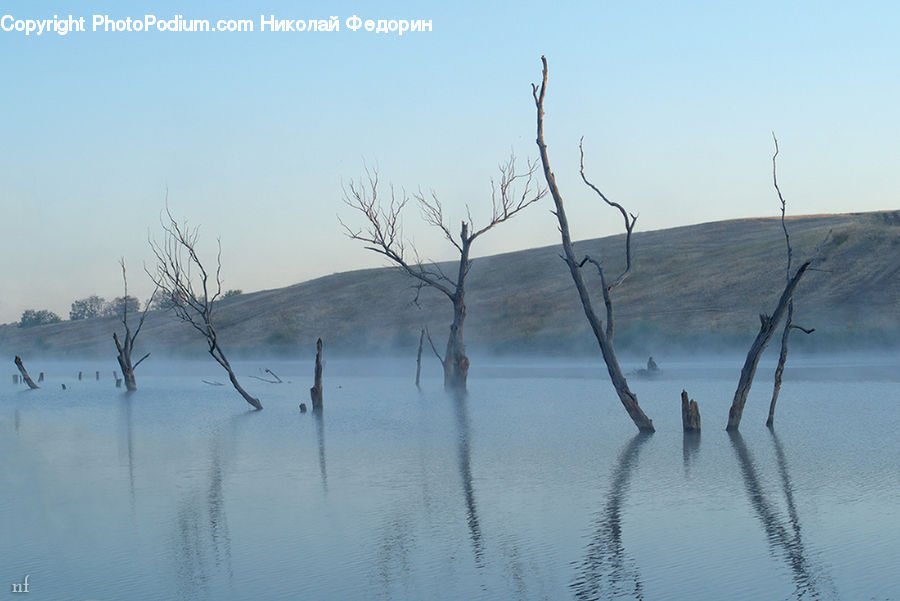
(690, 413)
(315, 392)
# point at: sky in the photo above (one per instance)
(252, 135)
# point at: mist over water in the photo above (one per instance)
(534, 486)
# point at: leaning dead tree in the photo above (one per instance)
(189, 289)
(125, 347)
(383, 234)
(767, 326)
(603, 332)
(25, 377)
(789, 318)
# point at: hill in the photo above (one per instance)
(698, 287)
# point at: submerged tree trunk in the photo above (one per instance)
(456, 363)
(217, 354)
(315, 392)
(419, 358)
(124, 359)
(782, 358)
(237, 386)
(604, 338)
(25, 375)
(768, 325)
(690, 413)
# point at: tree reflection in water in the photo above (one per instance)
(464, 454)
(606, 572)
(320, 436)
(784, 536)
(201, 524)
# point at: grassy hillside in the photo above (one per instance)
(698, 287)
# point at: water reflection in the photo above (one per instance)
(320, 435)
(606, 572)
(784, 537)
(464, 455)
(127, 428)
(690, 448)
(201, 522)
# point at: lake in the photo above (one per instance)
(535, 486)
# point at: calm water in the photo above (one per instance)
(534, 487)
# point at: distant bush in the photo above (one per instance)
(233, 292)
(86, 308)
(31, 318)
(115, 307)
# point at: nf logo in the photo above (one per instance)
(21, 588)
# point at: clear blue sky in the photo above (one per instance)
(253, 133)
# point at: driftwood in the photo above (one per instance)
(690, 413)
(275, 380)
(604, 335)
(315, 392)
(25, 377)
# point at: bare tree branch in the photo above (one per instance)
(629, 218)
(382, 233)
(183, 279)
(628, 399)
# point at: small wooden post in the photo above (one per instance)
(690, 413)
(79, 376)
(315, 392)
(41, 377)
(419, 357)
(97, 376)
(25, 377)
(15, 379)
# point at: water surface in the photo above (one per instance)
(535, 486)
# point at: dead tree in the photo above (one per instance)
(603, 333)
(383, 234)
(419, 357)
(189, 289)
(25, 377)
(768, 325)
(789, 318)
(315, 393)
(125, 347)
